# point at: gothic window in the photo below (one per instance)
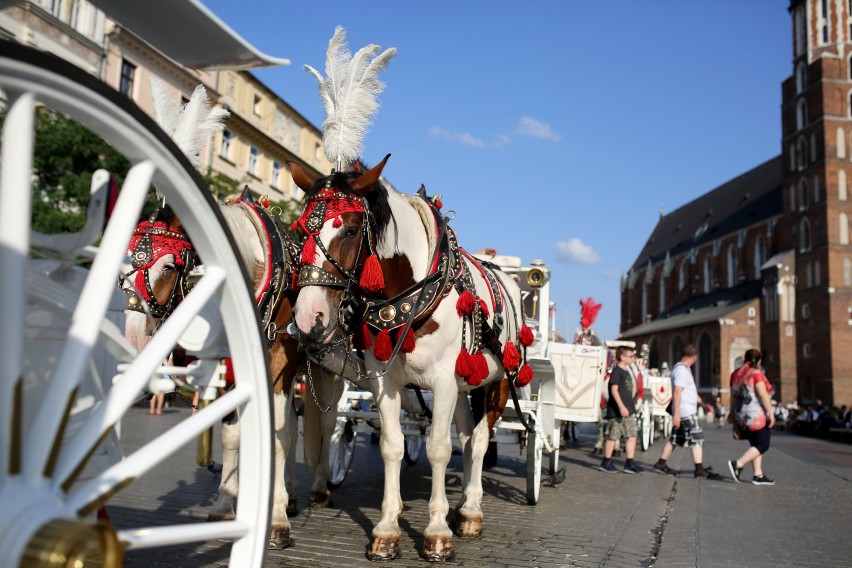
(801, 76)
(813, 147)
(792, 198)
(841, 185)
(809, 275)
(681, 276)
(733, 266)
(841, 143)
(662, 293)
(805, 235)
(843, 229)
(847, 271)
(792, 157)
(816, 189)
(801, 114)
(801, 153)
(803, 195)
(817, 273)
(759, 255)
(644, 301)
(708, 274)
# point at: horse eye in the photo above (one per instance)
(352, 231)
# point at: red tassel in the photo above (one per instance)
(525, 375)
(372, 279)
(484, 307)
(526, 336)
(408, 342)
(363, 339)
(383, 348)
(464, 365)
(141, 289)
(337, 222)
(309, 250)
(511, 357)
(465, 304)
(480, 369)
(229, 371)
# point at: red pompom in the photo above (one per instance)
(526, 336)
(265, 203)
(525, 375)
(309, 250)
(372, 279)
(464, 365)
(511, 357)
(484, 307)
(465, 304)
(407, 342)
(337, 222)
(363, 339)
(480, 369)
(439, 204)
(383, 348)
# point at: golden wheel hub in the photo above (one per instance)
(63, 543)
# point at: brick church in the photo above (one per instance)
(765, 259)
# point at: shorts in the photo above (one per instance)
(689, 435)
(759, 439)
(618, 427)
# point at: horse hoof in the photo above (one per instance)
(279, 537)
(383, 549)
(437, 548)
(215, 518)
(468, 526)
(320, 500)
(292, 509)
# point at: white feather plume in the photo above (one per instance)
(189, 125)
(348, 93)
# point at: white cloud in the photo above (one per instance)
(575, 251)
(612, 274)
(528, 126)
(461, 137)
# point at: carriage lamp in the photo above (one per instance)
(536, 278)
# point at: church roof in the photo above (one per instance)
(745, 200)
(701, 309)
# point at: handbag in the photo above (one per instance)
(737, 431)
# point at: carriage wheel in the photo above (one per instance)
(46, 506)
(413, 448)
(645, 428)
(534, 458)
(667, 426)
(341, 452)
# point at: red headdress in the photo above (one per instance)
(589, 312)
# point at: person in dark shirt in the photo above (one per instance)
(620, 413)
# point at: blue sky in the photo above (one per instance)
(554, 129)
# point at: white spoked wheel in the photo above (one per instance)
(47, 504)
(535, 448)
(645, 426)
(667, 427)
(341, 451)
(413, 448)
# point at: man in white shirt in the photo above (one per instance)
(686, 431)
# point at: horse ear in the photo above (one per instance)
(300, 177)
(362, 184)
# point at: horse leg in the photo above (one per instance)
(280, 529)
(468, 518)
(224, 509)
(290, 476)
(319, 426)
(438, 538)
(384, 544)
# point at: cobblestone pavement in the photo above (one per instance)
(591, 519)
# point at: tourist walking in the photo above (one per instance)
(751, 407)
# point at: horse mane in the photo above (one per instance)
(245, 233)
(377, 199)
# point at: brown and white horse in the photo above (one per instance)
(382, 270)
(161, 257)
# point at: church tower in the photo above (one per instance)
(817, 182)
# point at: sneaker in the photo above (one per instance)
(607, 466)
(632, 468)
(762, 480)
(735, 471)
(662, 469)
(707, 473)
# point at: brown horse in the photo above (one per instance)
(158, 279)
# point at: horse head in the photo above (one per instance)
(344, 219)
(161, 257)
